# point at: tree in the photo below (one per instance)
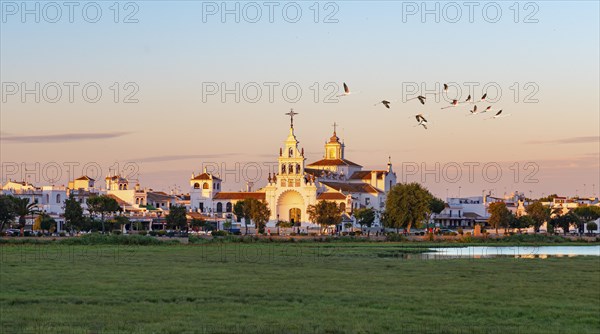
(365, 216)
(521, 222)
(23, 209)
(177, 217)
(407, 205)
(47, 223)
(259, 213)
(588, 213)
(592, 227)
(242, 211)
(102, 204)
(325, 213)
(73, 213)
(539, 213)
(436, 206)
(195, 224)
(500, 216)
(118, 221)
(548, 198)
(7, 211)
(565, 221)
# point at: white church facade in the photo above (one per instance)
(296, 185)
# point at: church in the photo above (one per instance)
(296, 185)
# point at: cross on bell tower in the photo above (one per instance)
(292, 114)
(334, 128)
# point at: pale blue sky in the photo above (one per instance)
(170, 52)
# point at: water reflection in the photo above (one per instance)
(521, 252)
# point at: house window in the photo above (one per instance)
(283, 183)
(205, 185)
(291, 152)
(219, 207)
(282, 169)
(196, 185)
(228, 207)
(367, 201)
(343, 207)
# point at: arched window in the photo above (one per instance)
(57, 198)
(291, 169)
(343, 207)
(283, 183)
(219, 207)
(196, 185)
(291, 152)
(47, 198)
(297, 168)
(205, 185)
(283, 169)
(218, 186)
(228, 207)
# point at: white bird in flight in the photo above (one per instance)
(386, 103)
(347, 91)
(453, 104)
(420, 97)
(498, 115)
(422, 121)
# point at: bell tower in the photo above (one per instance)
(334, 149)
(291, 159)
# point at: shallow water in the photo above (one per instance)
(513, 251)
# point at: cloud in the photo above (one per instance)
(64, 137)
(570, 140)
(164, 158)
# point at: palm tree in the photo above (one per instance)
(22, 209)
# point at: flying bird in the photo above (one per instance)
(420, 97)
(385, 103)
(483, 97)
(487, 109)
(498, 115)
(422, 121)
(445, 87)
(468, 99)
(454, 103)
(474, 111)
(346, 91)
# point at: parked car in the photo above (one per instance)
(13, 232)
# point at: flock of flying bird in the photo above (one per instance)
(422, 121)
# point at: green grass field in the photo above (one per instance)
(290, 288)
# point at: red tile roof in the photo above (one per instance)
(85, 177)
(331, 196)
(352, 187)
(334, 162)
(206, 176)
(240, 195)
(366, 174)
(119, 201)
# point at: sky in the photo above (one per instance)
(187, 84)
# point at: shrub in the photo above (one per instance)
(459, 230)
(152, 233)
(394, 237)
(161, 233)
(220, 233)
(62, 234)
(117, 232)
(103, 239)
(592, 226)
(143, 232)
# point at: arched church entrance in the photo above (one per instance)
(290, 205)
(295, 215)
